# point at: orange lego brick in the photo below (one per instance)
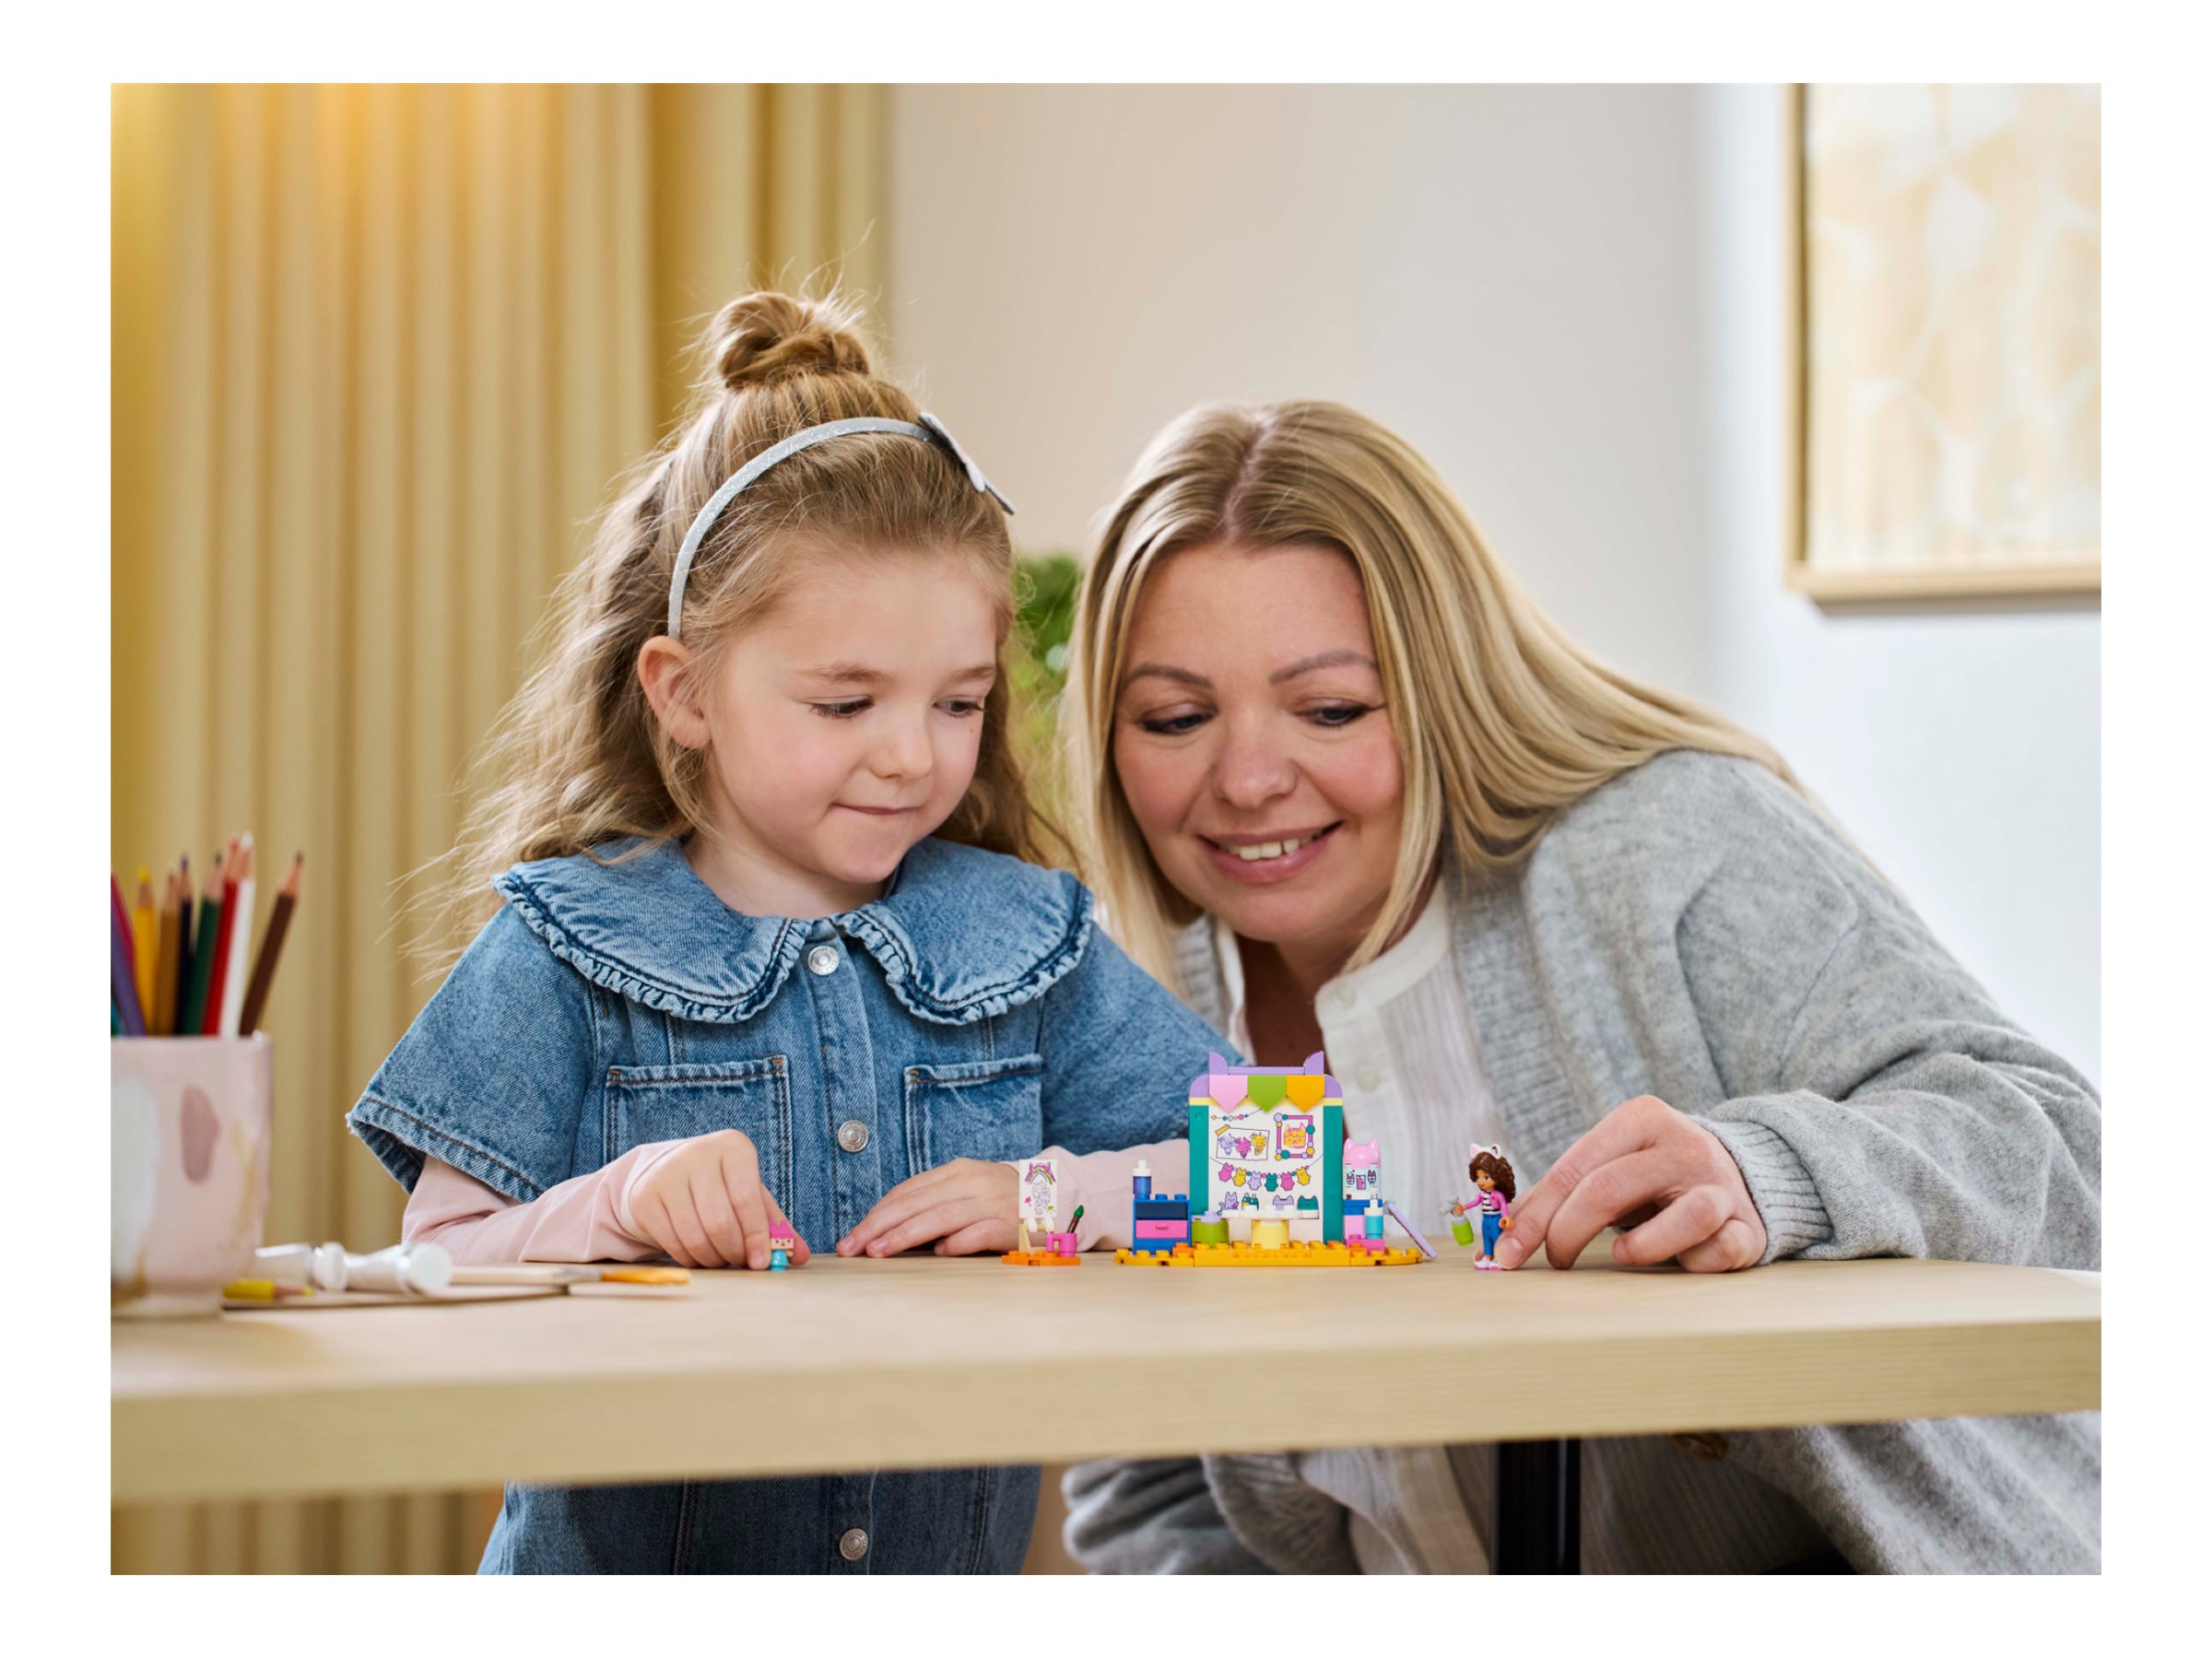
(1298, 1253)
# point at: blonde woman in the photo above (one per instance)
(1343, 787)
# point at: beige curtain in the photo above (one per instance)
(377, 353)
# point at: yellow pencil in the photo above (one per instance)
(143, 932)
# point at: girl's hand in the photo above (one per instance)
(966, 1205)
(1663, 1176)
(705, 1206)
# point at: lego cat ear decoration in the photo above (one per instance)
(1477, 1149)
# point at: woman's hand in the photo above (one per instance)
(966, 1205)
(705, 1206)
(1646, 1168)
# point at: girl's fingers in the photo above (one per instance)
(1607, 1192)
(651, 1216)
(895, 1207)
(748, 1199)
(1693, 1218)
(936, 1222)
(685, 1225)
(798, 1251)
(975, 1239)
(713, 1203)
(909, 1198)
(1734, 1246)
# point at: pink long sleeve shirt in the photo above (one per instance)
(587, 1217)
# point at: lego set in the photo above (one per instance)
(1272, 1183)
(1275, 1182)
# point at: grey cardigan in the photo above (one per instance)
(1694, 930)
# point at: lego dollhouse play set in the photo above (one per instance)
(1271, 1183)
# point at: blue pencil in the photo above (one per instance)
(123, 981)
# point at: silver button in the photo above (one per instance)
(852, 1135)
(822, 959)
(853, 1545)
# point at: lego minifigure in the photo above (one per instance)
(782, 1241)
(1493, 1178)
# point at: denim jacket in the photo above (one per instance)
(971, 1012)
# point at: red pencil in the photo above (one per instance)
(211, 1022)
(123, 925)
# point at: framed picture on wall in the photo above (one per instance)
(1946, 392)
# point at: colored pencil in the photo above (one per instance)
(238, 924)
(272, 944)
(184, 910)
(211, 1017)
(143, 940)
(122, 985)
(164, 1021)
(203, 950)
(123, 920)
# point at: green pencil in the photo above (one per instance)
(203, 950)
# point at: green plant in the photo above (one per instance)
(1044, 592)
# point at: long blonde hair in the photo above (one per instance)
(1500, 721)
(577, 757)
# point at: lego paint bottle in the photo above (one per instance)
(1374, 1221)
(1140, 1182)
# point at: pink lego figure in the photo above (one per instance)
(782, 1241)
(1363, 1170)
(1493, 1178)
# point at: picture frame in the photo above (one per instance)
(2006, 501)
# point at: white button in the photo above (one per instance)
(853, 1545)
(1371, 1078)
(1343, 999)
(853, 1135)
(822, 959)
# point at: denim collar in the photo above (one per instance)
(961, 934)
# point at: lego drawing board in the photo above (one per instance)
(1041, 1194)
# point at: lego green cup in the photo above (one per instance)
(1463, 1230)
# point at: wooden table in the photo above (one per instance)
(921, 1362)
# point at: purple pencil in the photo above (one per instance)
(123, 981)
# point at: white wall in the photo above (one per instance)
(1567, 299)
(1960, 747)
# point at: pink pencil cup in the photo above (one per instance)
(189, 1168)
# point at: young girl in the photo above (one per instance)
(767, 951)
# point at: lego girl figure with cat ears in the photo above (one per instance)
(1493, 1200)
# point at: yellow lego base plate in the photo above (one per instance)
(1296, 1253)
(1037, 1258)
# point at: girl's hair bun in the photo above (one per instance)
(761, 338)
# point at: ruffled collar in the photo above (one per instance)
(961, 934)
